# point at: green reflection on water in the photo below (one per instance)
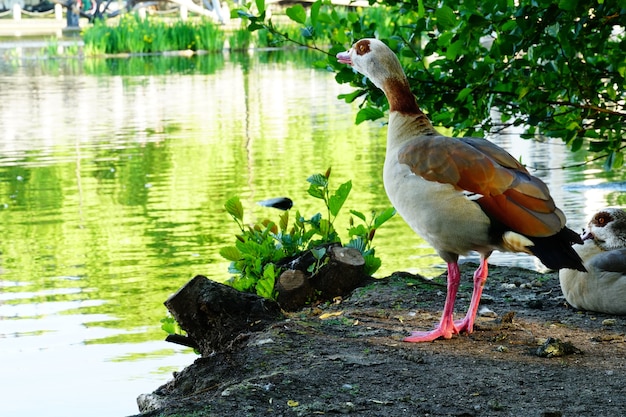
(125, 212)
(119, 196)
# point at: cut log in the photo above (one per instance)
(341, 270)
(294, 289)
(343, 273)
(214, 314)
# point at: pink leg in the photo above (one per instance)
(446, 326)
(480, 276)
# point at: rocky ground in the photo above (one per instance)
(530, 355)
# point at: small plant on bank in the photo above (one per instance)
(259, 248)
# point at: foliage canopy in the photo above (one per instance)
(554, 67)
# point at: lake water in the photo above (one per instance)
(113, 176)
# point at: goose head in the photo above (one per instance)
(375, 60)
(607, 228)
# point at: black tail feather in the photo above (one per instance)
(556, 251)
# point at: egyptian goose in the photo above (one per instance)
(603, 287)
(459, 194)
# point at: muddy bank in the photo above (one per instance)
(349, 358)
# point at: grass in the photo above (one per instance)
(135, 35)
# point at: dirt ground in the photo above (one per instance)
(349, 358)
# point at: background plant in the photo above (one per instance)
(133, 34)
(259, 247)
(555, 68)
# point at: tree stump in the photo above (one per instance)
(340, 271)
(214, 314)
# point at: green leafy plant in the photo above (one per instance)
(259, 247)
(553, 68)
(170, 326)
(134, 34)
(362, 235)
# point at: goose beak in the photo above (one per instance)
(586, 235)
(344, 58)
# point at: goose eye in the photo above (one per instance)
(602, 219)
(362, 48)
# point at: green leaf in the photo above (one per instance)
(265, 286)
(597, 145)
(421, 10)
(318, 253)
(568, 5)
(614, 160)
(169, 325)
(463, 94)
(358, 214)
(335, 202)
(234, 208)
(350, 97)
(316, 191)
(230, 253)
(446, 19)
(284, 221)
(318, 180)
(324, 227)
(384, 216)
(372, 264)
(315, 11)
(357, 243)
(368, 113)
(297, 13)
(577, 143)
(260, 5)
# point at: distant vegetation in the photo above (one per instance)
(133, 34)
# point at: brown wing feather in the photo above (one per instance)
(510, 194)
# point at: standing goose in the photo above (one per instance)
(603, 287)
(459, 194)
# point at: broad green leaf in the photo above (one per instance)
(421, 10)
(522, 92)
(384, 216)
(350, 97)
(598, 145)
(230, 253)
(577, 143)
(335, 202)
(614, 160)
(318, 253)
(234, 208)
(368, 113)
(260, 5)
(315, 11)
(357, 243)
(358, 214)
(284, 221)
(372, 264)
(297, 13)
(446, 19)
(318, 180)
(454, 50)
(568, 5)
(316, 191)
(265, 286)
(463, 94)
(325, 227)
(169, 325)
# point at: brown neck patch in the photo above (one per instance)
(400, 97)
